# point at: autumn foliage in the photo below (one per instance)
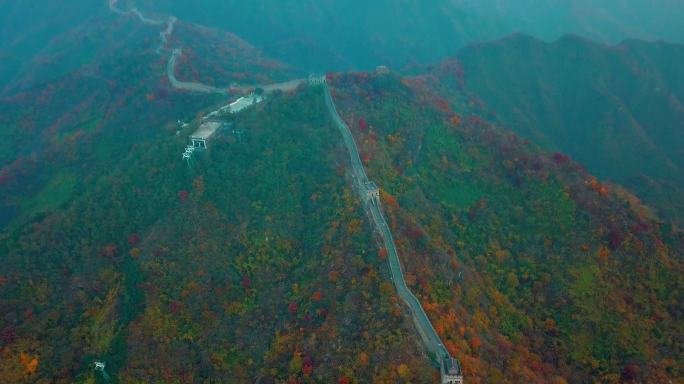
(382, 253)
(29, 362)
(527, 270)
(503, 243)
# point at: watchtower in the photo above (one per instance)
(450, 370)
(315, 80)
(372, 192)
(382, 70)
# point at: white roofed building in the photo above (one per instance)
(203, 133)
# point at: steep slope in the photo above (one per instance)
(327, 34)
(619, 110)
(27, 30)
(60, 128)
(61, 123)
(255, 263)
(531, 269)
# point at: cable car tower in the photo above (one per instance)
(188, 154)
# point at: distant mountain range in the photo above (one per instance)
(361, 34)
(323, 35)
(618, 110)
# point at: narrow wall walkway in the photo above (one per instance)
(425, 329)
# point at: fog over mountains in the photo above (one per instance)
(618, 110)
(358, 34)
(330, 34)
(198, 191)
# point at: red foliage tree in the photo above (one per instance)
(133, 239)
(246, 282)
(109, 251)
(8, 334)
(442, 104)
(363, 125)
(175, 306)
(365, 158)
(292, 307)
(382, 253)
(475, 343)
(307, 366)
(642, 227)
(455, 120)
(416, 233)
(615, 239)
(630, 373)
(183, 195)
(560, 158)
(390, 200)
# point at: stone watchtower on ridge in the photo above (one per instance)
(450, 370)
(371, 192)
(315, 79)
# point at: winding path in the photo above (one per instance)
(285, 86)
(185, 85)
(163, 35)
(170, 21)
(135, 12)
(427, 332)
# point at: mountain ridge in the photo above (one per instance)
(617, 109)
(355, 36)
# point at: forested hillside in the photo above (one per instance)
(531, 269)
(101, 90)
(27, 30)
(618, 110)
(255, 262)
